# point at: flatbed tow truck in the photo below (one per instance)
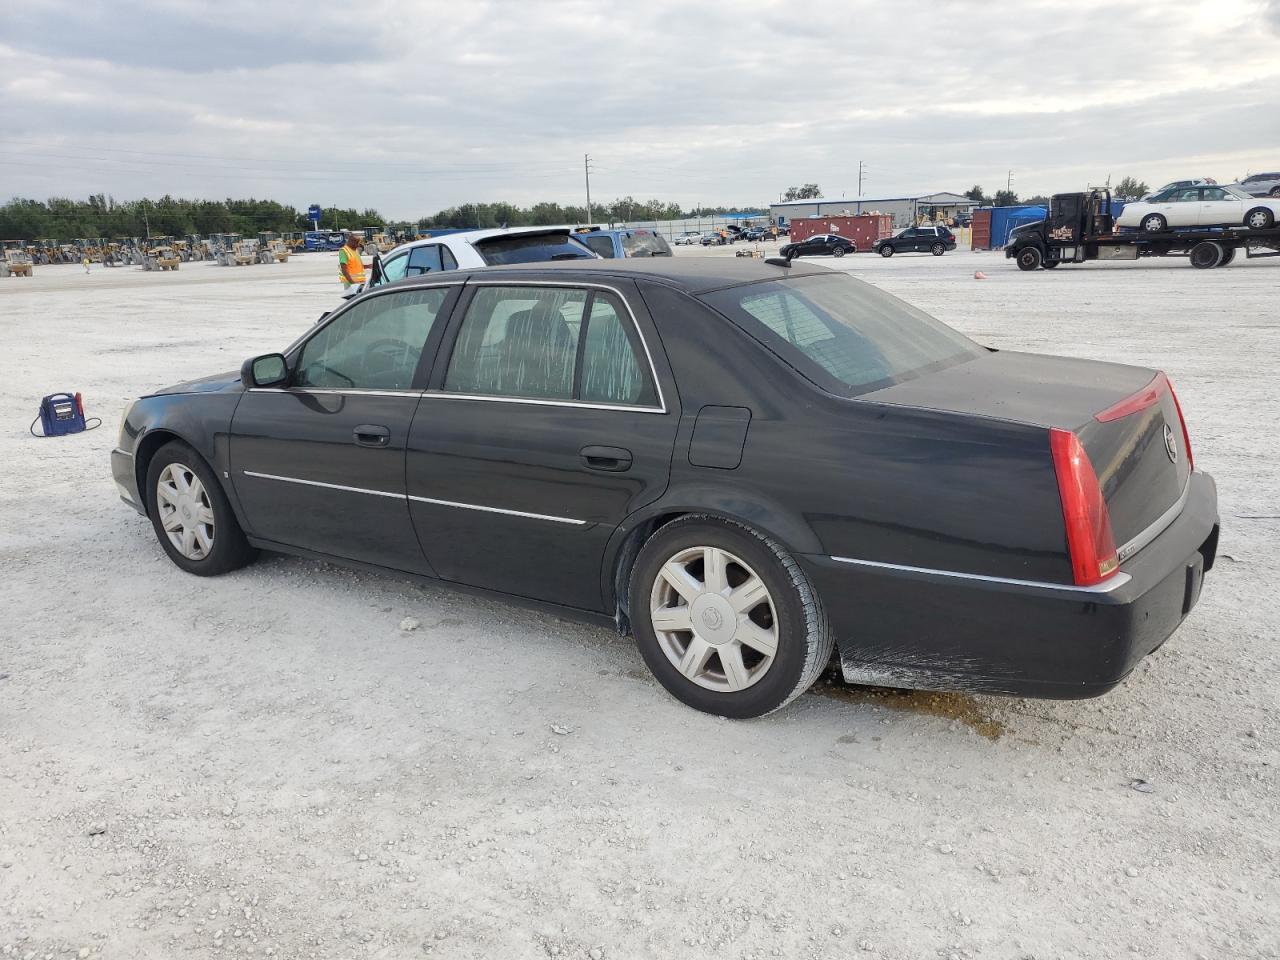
(1080, 228)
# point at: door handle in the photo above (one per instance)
(371, 435)
(611, 459)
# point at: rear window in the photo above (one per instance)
(644, 244)
(845, 335)
(601, 245)
(531, 248)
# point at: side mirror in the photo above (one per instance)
(268, 370)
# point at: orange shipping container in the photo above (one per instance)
(864, 230)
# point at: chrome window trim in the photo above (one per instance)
(1161, 524)
(567, 285)
(510, 513)
(318, 483)
(623, 408)
(1110, 585)
(343, 391)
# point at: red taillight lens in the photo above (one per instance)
(1089, 539)
(1186, 437)
(1148, 396)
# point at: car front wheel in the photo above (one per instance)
(1154, 223)
(191, 515)
(886, 251)
(725, 618)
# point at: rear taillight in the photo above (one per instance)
(1186, 437)
(1149, 396)
(1089, 539)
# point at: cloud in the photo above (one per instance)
(413, 107)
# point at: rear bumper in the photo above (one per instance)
(126, 479)
(935, 630)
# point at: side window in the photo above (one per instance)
(424, 260)
(518, 342)
(447, 259)
(374, 345)
(1214, 193)
(393, 269)
(611, 369)
(601, 245)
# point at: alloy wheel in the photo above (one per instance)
(185, 511)
(714, 619)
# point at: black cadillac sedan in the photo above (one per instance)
(740, 463)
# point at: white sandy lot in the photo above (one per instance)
(267, 765)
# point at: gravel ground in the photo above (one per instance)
(301, 761)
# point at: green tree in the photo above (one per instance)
(809, 191)
(1004, 198)
(975, 194)
(1130, 189)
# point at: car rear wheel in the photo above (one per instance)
(191, 515)
(838, 252)
(1259, 218)
(1275, 192)
(1154, 223)
(1206, 255)
(725, 618)
(938, 249)
(886, 251)
(1029, 258)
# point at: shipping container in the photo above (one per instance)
(863, 230)
(980, 235)
(1001, 220)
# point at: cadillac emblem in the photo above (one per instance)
(1170, 444)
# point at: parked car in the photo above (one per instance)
(1182, 184)
(962, 220)
(714, 239)
(757, 233)
(475, 248)
(688, 238)
(935, 240)
(743, 464)
(613, 244)
(819, 245)
(1261, 185)
(1203, 206)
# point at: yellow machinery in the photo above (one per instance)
(16, 261)
(273, 249)
(377, 241)
(160, 255)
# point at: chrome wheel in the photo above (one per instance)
(714, 619)
(186, 515)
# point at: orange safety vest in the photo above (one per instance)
(355, 266)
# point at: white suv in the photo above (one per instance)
(477, 248)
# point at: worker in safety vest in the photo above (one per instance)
(350, 266)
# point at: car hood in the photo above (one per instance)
(218, 383)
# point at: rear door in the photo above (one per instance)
(545, 426)
(319, 464)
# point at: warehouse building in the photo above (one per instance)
(904, 210)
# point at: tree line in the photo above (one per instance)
(1128, 188)
(103, 216)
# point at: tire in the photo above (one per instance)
(748, 682)
(1050, 264)
(1206, 255)
(886, 250)
(1154, 223)
(838, 252)
(938, 249)
(1228, 255)
(1029, 258)
(1260, 218)
(1275, 192)
(218, 546)
(789, 254)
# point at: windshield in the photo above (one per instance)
(642, 243)
(845, 335)
(531, 248)
(1238, 193)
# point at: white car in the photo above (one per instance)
(688, 238)
(476, 248)
(1202, 206)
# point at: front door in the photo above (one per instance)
(319, 464)
(545, 426)
(1219, 208)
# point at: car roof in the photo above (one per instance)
(693, 275)
(471, 236)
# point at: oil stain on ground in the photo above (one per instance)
(959, 707)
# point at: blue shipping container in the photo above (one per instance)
(1004, 219)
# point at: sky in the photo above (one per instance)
(415, 105)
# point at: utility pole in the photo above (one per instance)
(1009, 182)
(586, 170)
(861, 168)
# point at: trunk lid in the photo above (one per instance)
(1140, 457)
